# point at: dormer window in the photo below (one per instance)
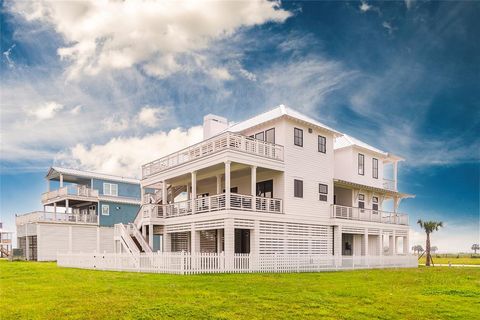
(361, 164)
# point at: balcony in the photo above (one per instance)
(213, 203)
(389, 184)
(71, 190)
(43, 216)
(225, 141)
(352, 213)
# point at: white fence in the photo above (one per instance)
(187, 263)
(224, 141)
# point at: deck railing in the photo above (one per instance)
(213, 203)
(227, 140)
(353, 213)
(73, 190)
(192, 263)
(389, 184)
(43, 216)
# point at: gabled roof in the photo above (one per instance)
(349, 141)
(278, 112)
(88, 174)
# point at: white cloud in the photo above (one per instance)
(106, 35)
(220, 73)
(46, 111)
(115, 123)
(125, 156)
(409, 4)
(387, 25)
(152, 117)
(7, 54)
(364, 6)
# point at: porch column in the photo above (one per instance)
(194, 240)
(395, 167)
(219, 240)
(406, 244)
(227, 184)
(253, 187)
(229, 237)
(337, 241)
(61, 180)
(219, 183)
(167, 246)
(189, 189)
(164, 192)
(194, 190)
(150, 236)
(393, 244)
(66, 206)
(380, 243)
(365, 243)
(254, 238)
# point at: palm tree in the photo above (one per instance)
(475, 247)
(417, 248)
(434, 249)
(429, 227)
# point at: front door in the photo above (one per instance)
(242, 241)
(265, 189)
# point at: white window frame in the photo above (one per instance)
(108, 189)
(322, 196)
(107, 211)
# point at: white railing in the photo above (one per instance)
(73, 190)
(353, 213)
(121, 233)
(131, 229)
(389, 184)
(42, 216)
(188, 263)
(227, 140)
(214, 203)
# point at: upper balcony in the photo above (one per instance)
(43, 216)
(77, 191)
(370, 215)
(224, 141)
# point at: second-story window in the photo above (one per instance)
(361, 164)
(361, 201)
(298, 137)
(323, 191)
(375, 203)
(260, 136)
(298, 188)
(375, 168)
(270, 135)
(110, 189)
(322, 144)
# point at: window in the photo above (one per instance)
(322, 144)
(323, 190)
(270, 135)
(265, 189)
(110, 189)
(375, 168)
(375, 203)
(260, 136)
(298, 137)
(298, 188)
(361, 164)
(361, 201)
(105, 210)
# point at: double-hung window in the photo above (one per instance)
(361, 164)
(110, 189)
(323, 191)
(105, 210)
(375, 168)
(361, 202)
(322, 144)
(298, 188)
(298, 137)
(375, 203)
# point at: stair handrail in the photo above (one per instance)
(127, 239)
(138, 235)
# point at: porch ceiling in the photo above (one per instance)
(387, 193)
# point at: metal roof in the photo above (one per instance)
(278, 112)
(347, 141)
(88, 174)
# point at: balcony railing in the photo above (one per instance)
(73, 190)
(213, 203)
(352, 213)
(42, 216)
(389, 184)
(227, 140)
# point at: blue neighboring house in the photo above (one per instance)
(90, 196)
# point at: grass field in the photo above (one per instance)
(33, 290)
(453, 260)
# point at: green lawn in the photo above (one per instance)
(30, 290)
(453, 259)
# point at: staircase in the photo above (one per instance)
(130, 238)
(4, 252)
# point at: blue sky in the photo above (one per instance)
(109, 86)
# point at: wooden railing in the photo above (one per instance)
(353, 213)
(192, 263)
(73, 190)
(227, 140)
(213, 203)
(42, 216)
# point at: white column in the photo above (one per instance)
(393, 244)
(380, 243)
(219, 183)
(406, 244)
(164, 192)
(194, 240)
(254, 238)
(395, 169)
(337, 242)
(253, 186)
(61, 180)
(194, 191)
(227, 184)
(365, 243)
(229, 236)
(219, 240)
(150, 236)
(66, 206)
(189, 190)
(167, 246)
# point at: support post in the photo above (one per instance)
(219, 183)
(365, 242)
(150, 236)
(61, 180)
(229, 241)
(406, 244)
(380, 243)
(194, 191)
(66, 206)
(337, 241)
(189, 190)
(227, 184)
(164, 192)
(253, 186)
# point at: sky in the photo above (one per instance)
(108, 86)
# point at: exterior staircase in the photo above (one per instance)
(131, 238)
